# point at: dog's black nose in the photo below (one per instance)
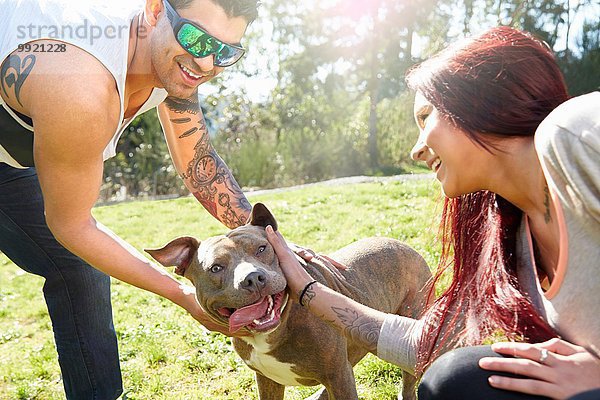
(255, 280)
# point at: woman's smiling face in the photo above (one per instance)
(458, 162)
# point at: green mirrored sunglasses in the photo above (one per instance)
(199, 43)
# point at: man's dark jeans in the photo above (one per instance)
(77, 295)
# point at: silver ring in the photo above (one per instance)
(543, 356)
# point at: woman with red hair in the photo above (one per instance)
(519, 164)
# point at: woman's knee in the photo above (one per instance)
(445, 376)
(457, 375)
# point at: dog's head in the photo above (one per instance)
(237, 276)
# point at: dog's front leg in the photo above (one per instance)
(269, 389)
(409, 384)
(341, 385)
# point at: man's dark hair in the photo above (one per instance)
(248, 9)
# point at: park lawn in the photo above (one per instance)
(164, 353)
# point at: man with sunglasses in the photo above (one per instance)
(66, 95)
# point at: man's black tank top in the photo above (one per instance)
(15, 138)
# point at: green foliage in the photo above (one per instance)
(306, 140)
(583, 73)
(164, 353)
(397, 130)
(142, 165)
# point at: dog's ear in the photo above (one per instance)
(178, 253)
(261, 216)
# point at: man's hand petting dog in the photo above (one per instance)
(192, 306)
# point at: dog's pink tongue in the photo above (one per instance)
(245, 315)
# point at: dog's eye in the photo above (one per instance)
(216, 268)
(261, 249)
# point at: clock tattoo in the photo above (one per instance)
(205, 170)
(213, 185)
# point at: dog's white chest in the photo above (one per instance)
(269, 366)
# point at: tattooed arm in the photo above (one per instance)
(356, 321)
(202, 170)
(393, 338)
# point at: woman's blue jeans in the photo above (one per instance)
(77, 295)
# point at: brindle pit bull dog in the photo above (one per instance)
(240, 285)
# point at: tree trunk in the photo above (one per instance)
(373, 89)
(373, 153)
(468, 17)
(409, 41)
(568, 29)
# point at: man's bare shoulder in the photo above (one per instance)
(33, 83)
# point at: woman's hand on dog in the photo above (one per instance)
(296, 276)
(309, 255)
(555, 368)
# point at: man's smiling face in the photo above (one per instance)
(176, 69)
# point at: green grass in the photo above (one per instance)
(164, 353)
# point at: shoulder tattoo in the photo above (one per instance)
(13, 73)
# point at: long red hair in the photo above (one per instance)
(502, 83)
